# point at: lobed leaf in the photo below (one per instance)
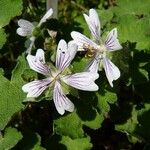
(8, 141)
(76, 144)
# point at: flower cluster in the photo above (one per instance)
(57, 76)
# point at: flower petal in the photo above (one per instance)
(46, 16)
(62, 103)
(112, 42)
(23, 32)
(112, 71)
(40, 55)
(25, 29)
(25, 24)
(65, 54)
(37, 64)
(93, 65)
(35, 88)
(82, 81)
(61, 49)
(93, 23)
(82, 40)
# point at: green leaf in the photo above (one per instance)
(10, 139)
(22, 72)
(130, 125)
(16, 77)
(105, 16)
(142, 130)
(7, 11)
(85, 114)
(126, 7)
(2, 38)
(137, 126)
(130, 25)
(82, 24)
(10, 101)
(87, 110)
(94, 123)
(104, 99)
(76, 144)
(69, 125)
(79, 64)
(1, 71)
(133, 23)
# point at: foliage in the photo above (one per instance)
(7, 12)
(117, 115)
(7, 141)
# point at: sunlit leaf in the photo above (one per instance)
(76, 144)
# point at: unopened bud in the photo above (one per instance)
(52, 33)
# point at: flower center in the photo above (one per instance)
(91, 51)
(102, 51)
(55, 75)
(101, 48)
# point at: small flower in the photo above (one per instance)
(57, 76)
(98, 48)
(26, 28)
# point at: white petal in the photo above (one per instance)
(61, 50)
(35, 88)
(23, 32)
(40, 55)
(72, 50)
(25, 24)
(93, 23)
(46, 16)
(112, 71)
(82, 40)
(93, 65)
(82, 81)
(65, 54)
(62, 103)
(38, 66)
(112, 42)
(25, 29)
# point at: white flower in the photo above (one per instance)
(26, 27)
(55, 77)
(98, 48)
